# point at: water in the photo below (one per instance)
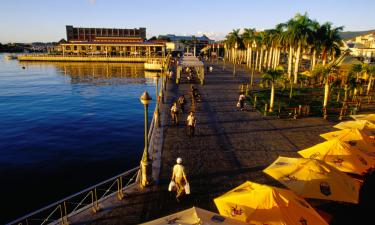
(66, 126)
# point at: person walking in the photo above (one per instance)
(191, 122)
(182, 102)
(179, 177)
(241, 100)
(174, 112)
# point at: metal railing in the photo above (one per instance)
(60, 211)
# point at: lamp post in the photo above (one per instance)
(254, 45)
(146, 163)
(157, 118)
(225, 52)
(235, 58)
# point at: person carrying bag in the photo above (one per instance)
(180, 180)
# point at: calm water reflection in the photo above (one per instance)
(66, 126)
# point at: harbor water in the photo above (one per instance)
(65, 127)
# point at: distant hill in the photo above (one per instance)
(351, 34)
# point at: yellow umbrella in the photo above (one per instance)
(364, 125)
(259, 204)
(313, 178)
(368, 117)
(194, 216)
(354, 137)
(340, 155)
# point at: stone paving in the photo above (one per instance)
(229, 148)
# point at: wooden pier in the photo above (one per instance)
(229, 148)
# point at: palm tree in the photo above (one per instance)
(231, 39)
(370, 71)
(330, 41)
(248, 38)
(326, 73)
(300, 29)
(273, 75)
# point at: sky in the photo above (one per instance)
(45, 20)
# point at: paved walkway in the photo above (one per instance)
(230, 147)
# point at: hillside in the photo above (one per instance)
(351, 34)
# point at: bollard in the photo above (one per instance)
(341, 112)
(324, 113)
(255, 101)
(299, 109)
(265, 109)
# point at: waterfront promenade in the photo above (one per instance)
(230, 147)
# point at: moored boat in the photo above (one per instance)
(155, 65)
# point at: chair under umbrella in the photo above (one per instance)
(311, 178)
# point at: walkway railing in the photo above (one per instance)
(60, 211)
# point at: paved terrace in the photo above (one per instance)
(230, 147)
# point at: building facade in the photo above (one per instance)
(108, 42)
(363, 47)
(79, 34)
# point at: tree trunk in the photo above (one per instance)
(272, 96)
(313, 60)
(369, 85)
(298, 55)
(346, 93)
(324, 57)
(261, 59)
(326, 94)
(265, 58)
(256, 59)
(250, 57)
(290, 58)
(270, 57)
(291, 90)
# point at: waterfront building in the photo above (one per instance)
(108, 42)
(191, 43)
(363, 46)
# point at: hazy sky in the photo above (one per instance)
(45, 20)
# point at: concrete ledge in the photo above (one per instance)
(51, 58)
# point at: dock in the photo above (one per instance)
(87, 58)
(229, 148)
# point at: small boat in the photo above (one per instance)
(154, 64)
(10, 57)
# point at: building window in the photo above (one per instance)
(75, 48)
(83, 48)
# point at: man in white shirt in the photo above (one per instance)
(191, 122)
(179, 177)
(174, 112)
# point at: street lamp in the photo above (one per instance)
(157, 118)
(254, 45)
(146, 163)
(225, 52)
(235, 58)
